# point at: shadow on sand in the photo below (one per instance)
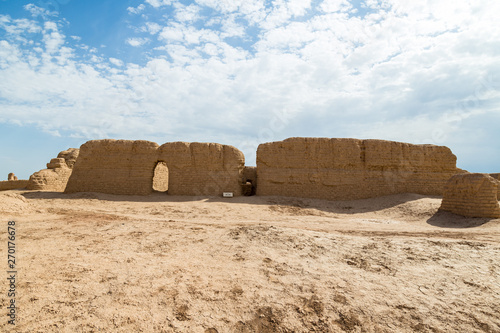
(443, 219)
(440, 219)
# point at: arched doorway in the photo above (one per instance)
(160, 177)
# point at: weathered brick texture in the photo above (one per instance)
(497, 177)
(56, 176)
(472, 195)
(127, 167)
(347, 169)
(12, 184)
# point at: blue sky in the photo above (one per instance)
(247, 72)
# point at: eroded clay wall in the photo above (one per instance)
(472, 195)
(58, 171)
(202, 168)
(12, 184)
(114, 166)
(346, 169)
(497, 177)
(127, 167)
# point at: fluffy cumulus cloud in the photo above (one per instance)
(249, 71)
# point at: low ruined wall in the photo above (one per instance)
(12, 184)
(472, 195)
(346, 169)
(57, 174)
(127, 167)
(49, 179)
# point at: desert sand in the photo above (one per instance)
(90, 262)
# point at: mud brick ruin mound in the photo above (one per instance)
(58, 171)
(472, 195)
(128, 167)
(348, 169)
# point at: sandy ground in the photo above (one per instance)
(91, 262)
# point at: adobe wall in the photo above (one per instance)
(347, 169)
(127, 167)
(58, 171)
(12, 184)
(472, 195)
(497, 177)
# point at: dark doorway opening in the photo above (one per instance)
(160, 177)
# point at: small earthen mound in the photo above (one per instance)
(13, 203)
(472, 195)
(11, 176)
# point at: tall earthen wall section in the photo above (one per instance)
(497, 177)
(127, 167)
(347, 169)
(472, 195)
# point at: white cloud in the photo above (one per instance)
(401, 71)
(116, 62)
(188, 34)
(39, 11)
(52, 37)
(152, 27)
(136, 10)
(331, 6)
(18, 28)
(230, 28)
(187, 13)
(136, 42)
(173, 33)
(223, 6)
(298, 7)
(159, 3)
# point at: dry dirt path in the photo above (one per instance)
(91, 262)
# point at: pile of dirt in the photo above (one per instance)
(13, 203)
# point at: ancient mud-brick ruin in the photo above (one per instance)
(12, 183)
(346, 169)
(128, 167)
(334, 169)
(323, 168)
(472, 195)
(58, 171)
